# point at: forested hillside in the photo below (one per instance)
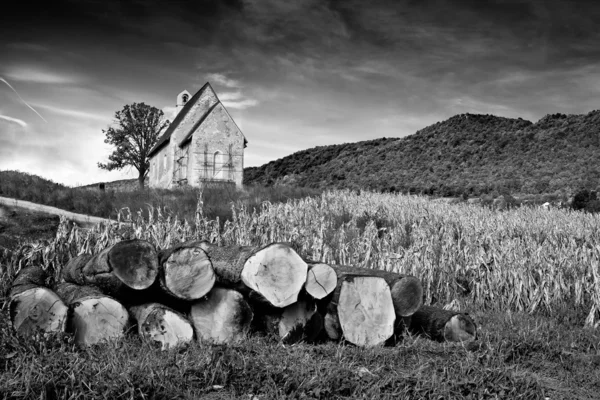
(468, 154)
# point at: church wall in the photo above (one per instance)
(216, 133)
(161, 168)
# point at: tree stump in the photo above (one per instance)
(33, 307)
(222, 316)
(95, 317)
(162, 325)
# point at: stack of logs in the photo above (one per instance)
(221, 294)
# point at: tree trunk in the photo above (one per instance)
(321, 280)
(275, 271)
(186, 272)
(223, 316)
(442, 325)
(162, 325)
(126, 264)
(141, 179)
(95, 316)
(34, 308)
(295, 323)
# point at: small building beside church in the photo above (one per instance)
(202, 145)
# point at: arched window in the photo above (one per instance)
(218, 165)
(184, 98)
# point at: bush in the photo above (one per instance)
(586, 200)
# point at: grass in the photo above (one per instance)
(109, 203)
(529, 277)
(522, 357)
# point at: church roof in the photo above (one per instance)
(166, 137)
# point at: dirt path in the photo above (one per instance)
(81, 219)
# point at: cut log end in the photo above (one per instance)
(163, 326)
(134, 262)
(296, 323)
(331, 323)
(38, 309)
(98, 318)
(321, 280)
(277, 272)
(223, 316)
(365, 310)
(443, 325)
(460, 328)
(188, 273)
(407, 295)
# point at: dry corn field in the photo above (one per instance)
(524, 260)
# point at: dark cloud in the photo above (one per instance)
(311, 71)
(110, 20)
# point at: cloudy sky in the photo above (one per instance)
(293, 74)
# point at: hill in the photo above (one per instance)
(122, 185)
(469, 154)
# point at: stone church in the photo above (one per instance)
(203, 145)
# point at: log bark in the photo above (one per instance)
(222, 316)
(321, 280)
(186, 271)
(126, 264)
(365, 310)
(34, 308)
(29, 278)
(442, 325)
(95, 317)
(298, 322)
(275, 271)
(160, 324)
(228, 262)
(73, 271)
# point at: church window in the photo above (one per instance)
(218, 165)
